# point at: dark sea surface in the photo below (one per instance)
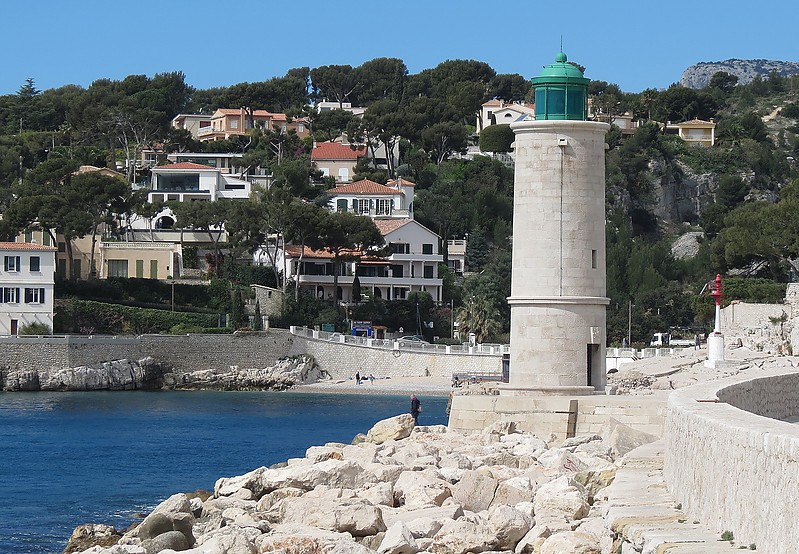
(102, 457)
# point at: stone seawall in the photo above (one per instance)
(182, 352)
(342, 361)
(192, 353)
(730, 465)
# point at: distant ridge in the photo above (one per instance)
(698, 75)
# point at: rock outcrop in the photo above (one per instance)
(148, 374)
(431, 491)
(699, 75)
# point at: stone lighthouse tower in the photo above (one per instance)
(558, 287)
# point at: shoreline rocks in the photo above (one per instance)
(400, 490)
(149, 374)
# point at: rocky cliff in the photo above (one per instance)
(148, 374)
(698, 75)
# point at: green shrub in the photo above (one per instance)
(35, 328)
(496, 138)
(727, 536)
(190, 260)
(116, 319)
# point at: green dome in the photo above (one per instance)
(561, 91)
(559, 72)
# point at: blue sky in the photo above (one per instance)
(636, 44)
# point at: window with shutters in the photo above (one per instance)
(35, 264)
(384, 206)
(10, 295)
(11, 263)
(34, 295)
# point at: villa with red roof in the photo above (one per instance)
(413, 250)
(365, 197)
(498, 112)
(696, 131)
(410, 266)
(27, 281)
(226, 123)
(337, 160)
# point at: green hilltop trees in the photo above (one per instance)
(428, 120)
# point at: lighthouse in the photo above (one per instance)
(558, 288)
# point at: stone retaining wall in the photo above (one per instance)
(183, 352)
(562, 415)
(248, 351)
(341, 360)
(731, 466)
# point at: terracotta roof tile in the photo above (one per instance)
(255, 113)
(185, 165)
(701, 122)
(399, 181)
(336, 151)
(364, 186)
(26, 246)
(493, 102)
(385, 226)
(294, 250)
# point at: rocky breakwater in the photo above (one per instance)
(400, 490)
(149, 374)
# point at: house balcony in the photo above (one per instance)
(205, 131)
(188, 236)
(346, 281)
(437, 258)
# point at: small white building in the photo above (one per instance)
(365, 197)
(186, 181)
(27, 283)
(498, 112)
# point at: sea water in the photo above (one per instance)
(103, 457)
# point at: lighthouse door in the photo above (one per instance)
(591, 363)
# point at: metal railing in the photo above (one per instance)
(402, 346)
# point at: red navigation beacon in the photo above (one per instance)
(716, 289)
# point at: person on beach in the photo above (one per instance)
(372, 378)
(357, 377)
(416, 407)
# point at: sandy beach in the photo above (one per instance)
(421, 386)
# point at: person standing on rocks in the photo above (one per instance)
(416, 407)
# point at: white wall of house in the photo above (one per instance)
(377, 205)
(413, 267)
(27, 281)
(211, 184)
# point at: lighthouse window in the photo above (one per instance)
(593, 259)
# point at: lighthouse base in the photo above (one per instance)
(715, 351)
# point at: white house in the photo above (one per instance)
(326, 106)
(411, 266)
(365, 197)
(27, 282)
(497, 112)
(192, 123)
(186, 181)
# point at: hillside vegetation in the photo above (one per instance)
(740, 195)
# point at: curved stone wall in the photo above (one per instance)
(341, 361)
(733, 467)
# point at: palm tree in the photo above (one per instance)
(480, 316)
